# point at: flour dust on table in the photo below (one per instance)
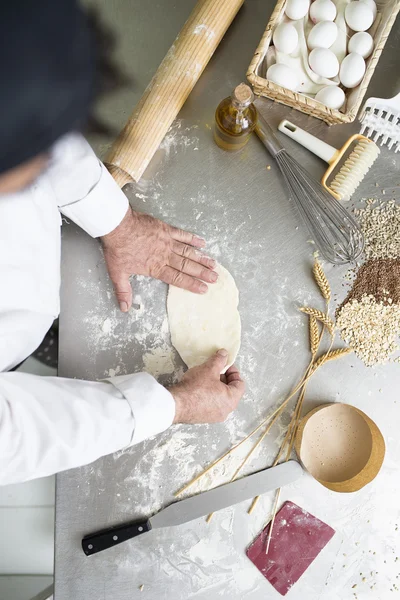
(201, 324)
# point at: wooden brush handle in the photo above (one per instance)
(171, 85)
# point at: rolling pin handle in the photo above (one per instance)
(119, 175)
(170, 86)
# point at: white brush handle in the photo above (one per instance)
(315, 145)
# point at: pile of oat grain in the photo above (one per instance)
(371, 328)
(369, 318)
(380, 224)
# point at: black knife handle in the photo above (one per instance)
(101, 540)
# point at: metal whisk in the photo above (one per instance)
(335, 232)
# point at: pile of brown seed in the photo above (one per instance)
(379, 278)
(369, 318)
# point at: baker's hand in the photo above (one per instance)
(205, 396)
(143, 245)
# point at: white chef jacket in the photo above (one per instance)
(49, 424)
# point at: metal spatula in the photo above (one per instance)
(197, 506)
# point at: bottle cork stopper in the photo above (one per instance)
(243, 94)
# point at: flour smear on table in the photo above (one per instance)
(208, 549)
(202, 556)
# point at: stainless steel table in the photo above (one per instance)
(242, 210)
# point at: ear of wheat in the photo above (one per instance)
(320, 316)
(314, 335)
(331, 355)
(322, 281)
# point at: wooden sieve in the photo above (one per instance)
(340, 446)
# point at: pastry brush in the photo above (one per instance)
(347, 166)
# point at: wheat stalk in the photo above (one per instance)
(314, 335)
(331, 355)
(322, 281)
(294, 421)
(320, 316)
(248, 455)
(292, 429)
(277, 411)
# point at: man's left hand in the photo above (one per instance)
(143, 245)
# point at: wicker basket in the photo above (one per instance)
(387, 12)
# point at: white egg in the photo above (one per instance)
(358, 15)
(285, 38)
(352, 70)
(324, 62)
(284, 76)
(372, 6)
(362, 43)
(322, 10)
(332, 96)
(322, 35)
(297, 9)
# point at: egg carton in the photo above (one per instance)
(386, 15)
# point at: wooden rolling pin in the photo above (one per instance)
(171, 85)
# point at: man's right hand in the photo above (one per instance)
(205, 396)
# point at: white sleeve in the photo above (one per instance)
(83, 188)
(49, 424)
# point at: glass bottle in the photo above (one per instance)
(235, 119)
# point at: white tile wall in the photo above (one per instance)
(27, 529)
